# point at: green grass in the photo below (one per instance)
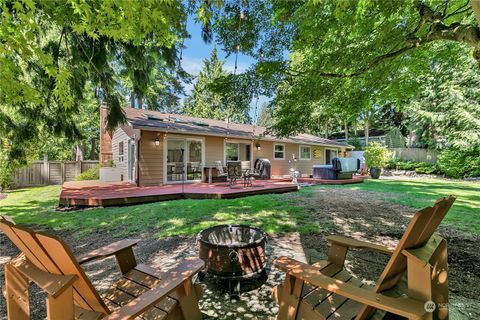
(465, 213)
(272, 213)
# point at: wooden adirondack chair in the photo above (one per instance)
(325, 290)
(142, 291)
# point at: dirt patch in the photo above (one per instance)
(365, 216)
(359, 214)
(3, 196)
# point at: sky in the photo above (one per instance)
(196, 50)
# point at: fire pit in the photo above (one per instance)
(233, 253)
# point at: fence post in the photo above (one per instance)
(46, 170)
(62, 169)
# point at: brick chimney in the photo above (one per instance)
(105, 137)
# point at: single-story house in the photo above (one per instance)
(149, 147)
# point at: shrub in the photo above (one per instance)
(460, 163)
(6, 177)
(376, 155)
(90, 174)
(6, 172)
(419, 167)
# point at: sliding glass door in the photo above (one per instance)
(184, 160)
(194, 160)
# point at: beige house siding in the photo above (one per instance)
(214, 149)
(150, 159)
(282, 167)
(120, 161)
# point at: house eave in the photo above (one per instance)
(196, 133)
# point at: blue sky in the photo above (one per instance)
(196, 50)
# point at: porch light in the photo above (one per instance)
(258, 146)
(157, 141)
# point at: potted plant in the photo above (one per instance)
(376, 157)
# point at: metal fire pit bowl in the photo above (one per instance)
(233, 252)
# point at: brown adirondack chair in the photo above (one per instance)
(141, 293)
(415, 275)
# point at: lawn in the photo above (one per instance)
(297, 223)
(273, 213)
(465, 213)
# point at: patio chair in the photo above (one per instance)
(256, 172)
(220, 169)
(234, 172)
(141, 291)
(326, 290)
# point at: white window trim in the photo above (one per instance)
(237, 141)
(279, 144)
(121, 156)
(300, 152)
(325, 153)
(238, 150)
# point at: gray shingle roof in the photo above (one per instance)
(159, 121)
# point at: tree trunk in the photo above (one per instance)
(367, 130)
(93, 152)
(346, 131)
(326, 130)
(74, 153)
(79, 152)
(140, 103)
(132, 100)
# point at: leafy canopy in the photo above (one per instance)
(347, 60)
(54, 53)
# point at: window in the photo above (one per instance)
(305, 153)
(120, 151)
(279, 151)
(329, 155)
(232, 151)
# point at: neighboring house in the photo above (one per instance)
(151, 146)
(375, 135)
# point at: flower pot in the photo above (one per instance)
(375, 173)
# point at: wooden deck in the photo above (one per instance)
(96, 193)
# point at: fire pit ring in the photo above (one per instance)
(233, 252)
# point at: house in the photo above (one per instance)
(358, 136)
(150, 147)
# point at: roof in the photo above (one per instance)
(176, 123)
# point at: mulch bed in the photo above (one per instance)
(359, 214)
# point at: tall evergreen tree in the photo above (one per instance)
(265, 116)
(215, 95)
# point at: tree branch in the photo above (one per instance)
(476, 9)
(469, 34)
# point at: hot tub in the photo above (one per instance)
(324, 171)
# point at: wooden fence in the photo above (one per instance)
(415, 154)
(41, 173)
